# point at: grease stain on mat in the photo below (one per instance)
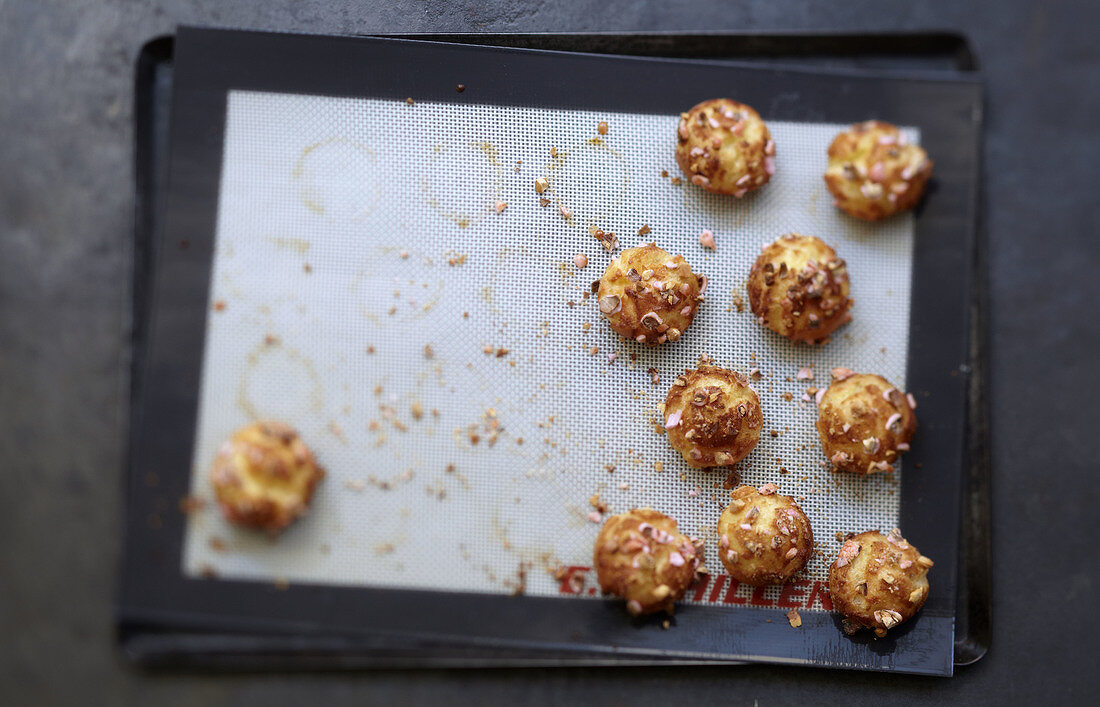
(338, 178)
(464, 204)
(577, 174)
(278, 382)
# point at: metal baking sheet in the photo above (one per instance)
(285, 252)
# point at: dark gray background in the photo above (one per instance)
(66, 202)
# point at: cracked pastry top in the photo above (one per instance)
(724, 147)
(642, 557)
(650, 296)
(798, 288)
(264, 476)
(864, 422)
(712, 417)
(878, 581)
(874, 172)
(763, 536)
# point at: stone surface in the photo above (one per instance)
(66, 198)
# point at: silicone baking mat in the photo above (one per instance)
(386, 280)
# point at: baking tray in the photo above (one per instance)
(153, 634)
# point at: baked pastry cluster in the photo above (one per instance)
(650, 296)
(264, 476)
(798, 288)
(763, 537)
(642, 557)
(724, 147)
(878, 581)
(864, 422)
(712, 417)
(874, 173)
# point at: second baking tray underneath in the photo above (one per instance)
(780, 110)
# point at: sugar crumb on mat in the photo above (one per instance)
(191, 504)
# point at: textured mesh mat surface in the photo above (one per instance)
(352, 234)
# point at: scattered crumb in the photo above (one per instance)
(191, 504)
(794, 618)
